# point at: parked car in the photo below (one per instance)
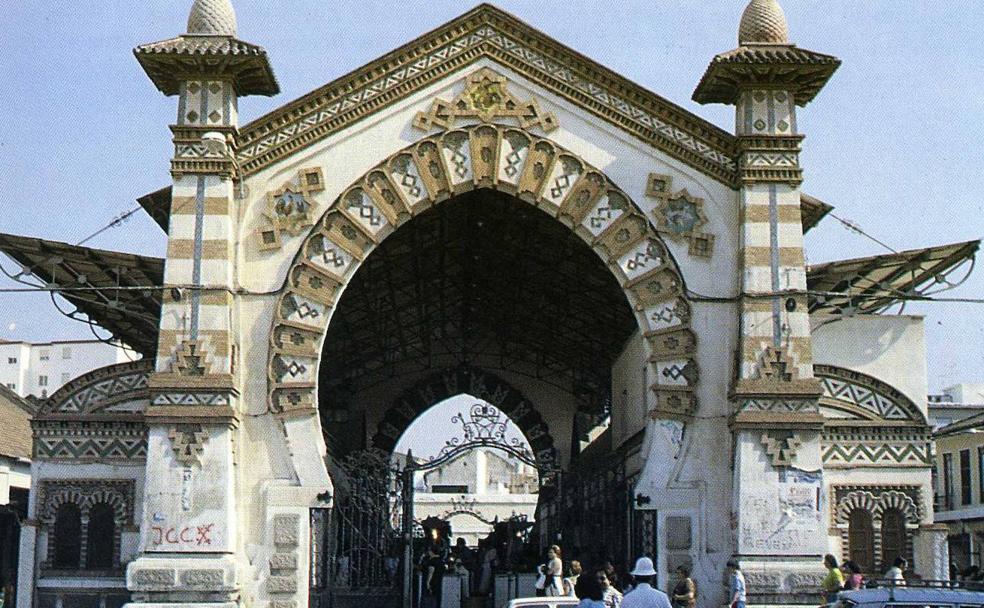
(554, 601)
(943, 595)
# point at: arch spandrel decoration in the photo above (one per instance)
(98, 391)
(96, 417)
(860, 396)
(869, 423)
(478, 383)
(510, 160)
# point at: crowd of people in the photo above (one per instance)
(840, 577)
(602, 587)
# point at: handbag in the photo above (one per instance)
(541, 580)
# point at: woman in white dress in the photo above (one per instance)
(554, 571)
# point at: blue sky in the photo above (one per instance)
(893, 142)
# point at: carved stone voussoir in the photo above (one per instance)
(462, 159)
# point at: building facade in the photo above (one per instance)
(474, 491)
(40, 369)
(958, 470)
(486, 211)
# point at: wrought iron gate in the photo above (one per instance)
(362, 550)
(358, 548)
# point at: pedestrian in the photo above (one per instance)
(490, 561)
(685, 592)
(433, 568)
(853, 579)
(610, 595)
(834, 581)
(736, 586)
(896, 574)
(643, 594)
(573, 574)
(589, 592)
(555, 572)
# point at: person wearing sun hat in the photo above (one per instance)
(645, 595)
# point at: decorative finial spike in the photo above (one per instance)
(763, 22)
(212, 18)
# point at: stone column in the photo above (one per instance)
(931, 552)
(26, 563)
(188, 528)
(778, 485)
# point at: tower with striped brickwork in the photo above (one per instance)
(777, 502)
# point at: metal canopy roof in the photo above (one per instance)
(96, 282)
(158, 207)
(874, 283)
(812, 210)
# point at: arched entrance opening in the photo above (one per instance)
(475, 468)
(484, 281)
(481, 261)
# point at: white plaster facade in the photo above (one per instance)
(495, 488)
(40, 369)
(726, 438)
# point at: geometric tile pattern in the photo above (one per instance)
(872, 453)
(680, 215)
(869, 423)
(780, 447)
(864, 397)
(486, 98)
(288, 209)
(89, 440)
(420, 176)
(100, 389)
(488, 33)
(188, 443)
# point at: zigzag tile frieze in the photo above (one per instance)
(857, 390)
(892, 454)
(655, 121)
(100, 389)
(64, 440)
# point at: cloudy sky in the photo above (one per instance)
(894, 142)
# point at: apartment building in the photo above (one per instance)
(39, 369)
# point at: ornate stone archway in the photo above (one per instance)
(477, 383)
(437, 168)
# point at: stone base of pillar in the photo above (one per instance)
(782, 580)
(180, 582)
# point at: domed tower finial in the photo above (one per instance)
(212, 18)
(763, 22)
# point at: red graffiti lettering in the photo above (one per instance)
(204, 535)
(197, 535)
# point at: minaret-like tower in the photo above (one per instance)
(779, 533)
(189, 524)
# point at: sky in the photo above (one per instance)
(421, 437)
(893, 141)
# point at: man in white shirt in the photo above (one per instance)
(644, 595)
